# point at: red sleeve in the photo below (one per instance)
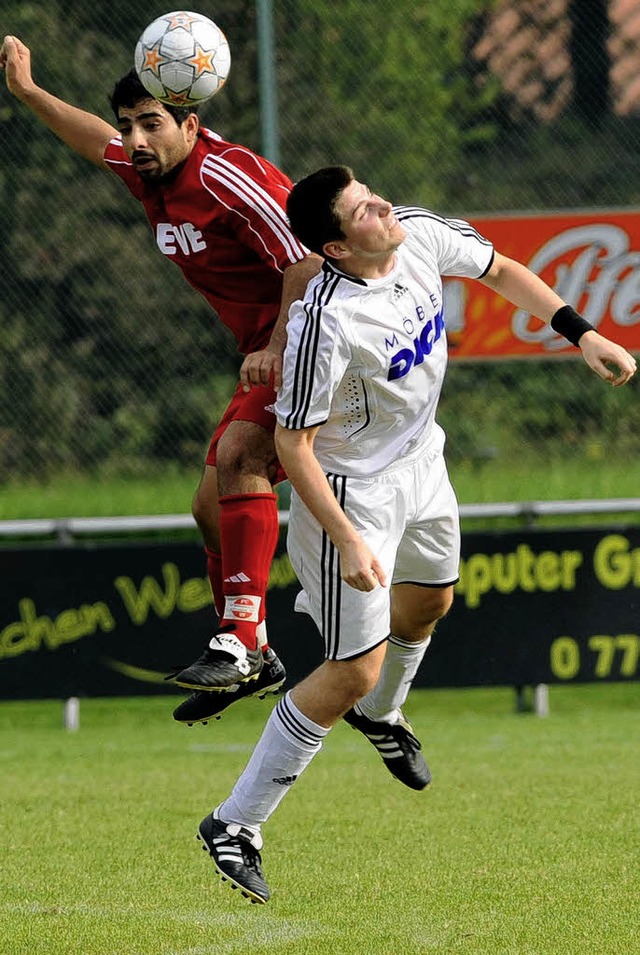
(255, 194)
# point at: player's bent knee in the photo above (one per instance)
(364, 685)
(441, 605)
(415, 609)
(353, 679)
(431, 614)
(198, 510)
(334, 687)
(202, 512)
(206, 517)
(248, 449)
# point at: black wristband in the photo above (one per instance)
(568, 323)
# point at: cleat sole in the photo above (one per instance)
(272, 690)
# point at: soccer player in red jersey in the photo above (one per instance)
(217, 211)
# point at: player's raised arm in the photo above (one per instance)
(87, 134)
(524, 288)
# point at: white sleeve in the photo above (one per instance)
(315, 360)
(458, 248)
(463, 251)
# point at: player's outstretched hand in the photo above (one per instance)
(262, 368)
(611, 362)
(15, 60)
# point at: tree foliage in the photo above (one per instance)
(109, 361)
(385, 93)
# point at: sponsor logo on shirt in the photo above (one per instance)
(184, 238)
(425, 333)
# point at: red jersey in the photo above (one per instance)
(222, 221)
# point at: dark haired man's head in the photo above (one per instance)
(157, 138)
(311, 206)
(129, 91)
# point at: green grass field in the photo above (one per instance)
(171, 492)
(527, 843)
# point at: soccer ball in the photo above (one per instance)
(182, 58)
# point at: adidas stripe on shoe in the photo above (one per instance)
(398, 747)
(235, 851)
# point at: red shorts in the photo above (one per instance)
(255, 406)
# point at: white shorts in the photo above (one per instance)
(409, 518)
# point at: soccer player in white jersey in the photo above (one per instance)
(374, 530)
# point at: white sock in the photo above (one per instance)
(288, 743)
(399, 668)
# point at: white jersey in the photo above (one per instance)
(366, 358)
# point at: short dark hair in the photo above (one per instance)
(129, 91)
(311, 206)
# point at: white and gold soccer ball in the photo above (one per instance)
(182, 58)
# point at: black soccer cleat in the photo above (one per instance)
(236, 856)
(225, 662)
(399, 748)
(203, 706)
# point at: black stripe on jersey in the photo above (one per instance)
(330, 579)
(402, 213)
(307, 352)
(330, 267)
(293, 725)
(482, 274)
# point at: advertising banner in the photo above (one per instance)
(591, 259)
(542, 607)
(114, 619)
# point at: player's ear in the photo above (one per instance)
(192, 124)
(335, 249)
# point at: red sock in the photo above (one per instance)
(214, 570)
(249, 536)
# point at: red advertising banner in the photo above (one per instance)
(591, 259)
